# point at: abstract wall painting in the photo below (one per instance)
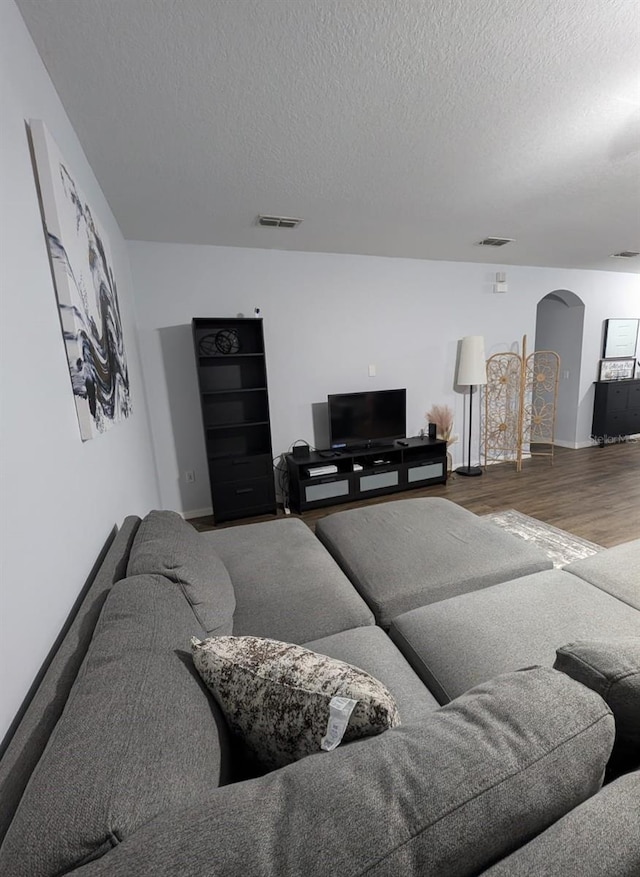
(86, 290)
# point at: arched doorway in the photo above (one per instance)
(559, 327)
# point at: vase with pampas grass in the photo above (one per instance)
(442, 416)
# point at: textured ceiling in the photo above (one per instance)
(392, 127)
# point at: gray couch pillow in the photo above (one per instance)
(166, 545)
(139, 735)
(612, 668)
(447, 796)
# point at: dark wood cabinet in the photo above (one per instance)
(616, 410)
(232, 377)
(363, 473)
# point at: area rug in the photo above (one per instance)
(560, 546)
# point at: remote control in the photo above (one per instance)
(404, 444)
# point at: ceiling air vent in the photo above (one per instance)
(278, 221)
(625, 254)
(494, 242)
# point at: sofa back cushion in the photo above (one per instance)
(27, 743)
(450, 795)
(166, 545)
(612, 668)
(139, 736)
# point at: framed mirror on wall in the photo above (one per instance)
(620, 338)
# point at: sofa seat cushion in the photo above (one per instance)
(371, 649)
(139, 735)
(616, 570)
(166, 545)
(413, 552)
(446, 796)
(287, 585)
(599, 838)
(458, 643)
(280, 697)
(612, 668)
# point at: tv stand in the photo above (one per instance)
(367, 446)
(360, 473)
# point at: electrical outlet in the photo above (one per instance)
(372, 371)
(189, 476)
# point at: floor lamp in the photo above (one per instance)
(472, 372)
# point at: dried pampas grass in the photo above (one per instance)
(442, 416)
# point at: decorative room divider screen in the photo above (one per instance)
(520, 404)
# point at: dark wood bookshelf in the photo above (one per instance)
(234, 399)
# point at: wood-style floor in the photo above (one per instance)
(593, 493)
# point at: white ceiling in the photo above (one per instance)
(408, 128)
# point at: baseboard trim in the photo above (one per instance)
(198, 513)
(576, 446)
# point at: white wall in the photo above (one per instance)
(327, 317)
(60, 498)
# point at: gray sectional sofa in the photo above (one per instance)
(123, 764)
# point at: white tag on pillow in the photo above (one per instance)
(340, 709)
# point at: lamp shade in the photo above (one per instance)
(472, 368)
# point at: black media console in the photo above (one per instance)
(358, 474)
(616, 410)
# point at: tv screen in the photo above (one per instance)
(369, 418)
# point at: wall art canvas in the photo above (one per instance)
(86, 290)
(620, 338)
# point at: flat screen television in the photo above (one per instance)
(364, 419)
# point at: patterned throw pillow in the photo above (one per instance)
(276, 696)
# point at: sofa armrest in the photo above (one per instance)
(467, 785)
(600, 838)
